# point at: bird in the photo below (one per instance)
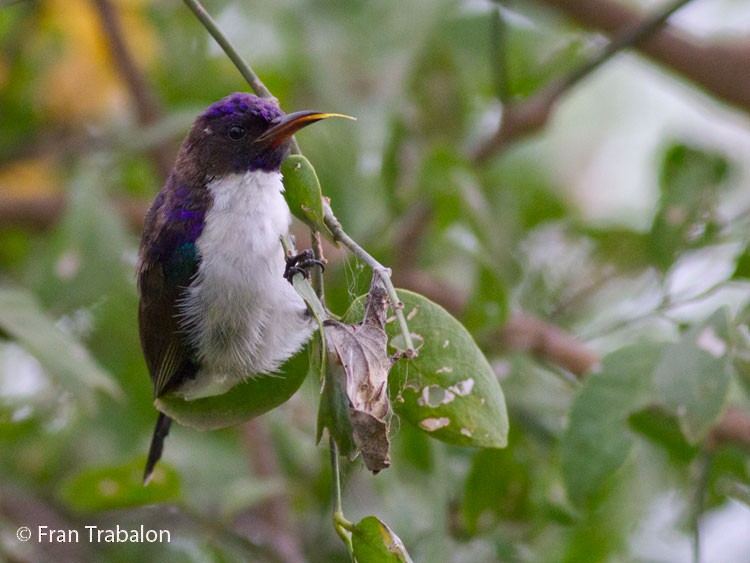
(214, 306)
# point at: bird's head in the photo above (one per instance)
(241, 133)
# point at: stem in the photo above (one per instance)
(499, 50)
(624, 40)
(342, 526)
(247, 72)
(384, 273)
(245, 69)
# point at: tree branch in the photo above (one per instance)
(41, 212)
(723, 70)
(732, 429)
(548, 342)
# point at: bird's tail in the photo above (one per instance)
(157, 445)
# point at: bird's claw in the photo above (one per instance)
(301, 263)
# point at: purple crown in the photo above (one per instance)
(240, 103)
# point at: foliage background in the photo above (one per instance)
(601, 264)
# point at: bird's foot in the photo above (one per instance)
(301, 263)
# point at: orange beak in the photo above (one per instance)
(287, 125)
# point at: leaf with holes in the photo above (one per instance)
(358, 367)
(449, 390)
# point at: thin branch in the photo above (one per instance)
(629, 37)
(331, 221)
(499, 53)
(342, 526)
(529, 116)
(42, 212)
(381, 271)
(719, 68)
(245, 69)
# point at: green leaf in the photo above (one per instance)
(61, 355)
(498, 485)
(333, 412)
(662, 428)
(742, 266)
(375, 542)
(119, 486)
(84, 263)
(302, 192)
(488, 307)
(693, 375)
(628, 249)
(597, 440)
(449, 390)
(242, 402)
(689, 181)
(741, 348)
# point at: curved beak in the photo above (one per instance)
(287, 125)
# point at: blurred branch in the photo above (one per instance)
(269, 519)
(722, 70)
(41, 212)
(733, 429)
(146, 106)
(548, 342)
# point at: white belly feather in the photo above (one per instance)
(241, 315)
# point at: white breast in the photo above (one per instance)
(242, 316)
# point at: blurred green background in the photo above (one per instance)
(621, 227)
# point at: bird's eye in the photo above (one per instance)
(236, 132)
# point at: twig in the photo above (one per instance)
(528, 116)
(629, 37)
(719, 68)
(499, 52)
(381, 271)
(247, 72)
(342, 526)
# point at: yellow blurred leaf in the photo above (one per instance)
(29, 178)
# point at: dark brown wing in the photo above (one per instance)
(169, 356)
(169, 261)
